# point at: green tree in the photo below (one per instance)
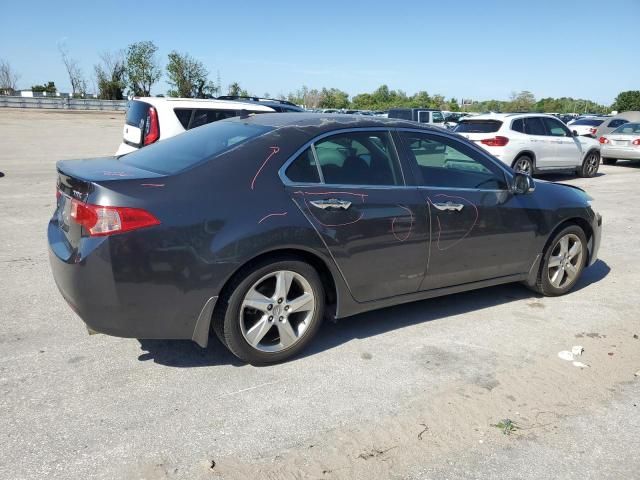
(521, 102)
(48, 87)
(188, 76)
(143, 69)
(234, 89)
(333, 98)
(629, 100)
(110, 76)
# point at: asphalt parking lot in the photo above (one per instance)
(407, 392)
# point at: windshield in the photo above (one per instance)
(592, 122)
(478, 126)
(628, 129)
(193, 147)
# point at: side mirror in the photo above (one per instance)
(574, 133)
(522, 183)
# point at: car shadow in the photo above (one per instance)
(186, 354)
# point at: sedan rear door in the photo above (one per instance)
(352, 189)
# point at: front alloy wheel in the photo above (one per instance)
(590, 165)
(563, 262)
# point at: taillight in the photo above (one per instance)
(152, 129)
(636, 142)
(100, 221)
(495, 141)
(593, 131)
(604, 140)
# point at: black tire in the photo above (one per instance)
(522, 161)
(590, 165)
(609, 161)
(543, 283)
(226, 319)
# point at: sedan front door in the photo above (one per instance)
(479, 229)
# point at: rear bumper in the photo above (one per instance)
(114, 290)
(622, 153)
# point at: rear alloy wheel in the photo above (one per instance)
(273, 312)
(590, 165)
(523, 164)
(609, 161)
(563, 262)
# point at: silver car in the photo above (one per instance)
(612, 123)
(621, 144)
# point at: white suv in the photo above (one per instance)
(532, 142)
(151, 119)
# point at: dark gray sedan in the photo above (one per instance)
(256, 228)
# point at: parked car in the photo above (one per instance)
(586, 126)
(152, 119)
(621, 144)
(255, 227)
(610, 124)
(532, 143)
(276, 104)
(421, 115)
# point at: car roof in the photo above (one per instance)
(202, 103)
(325, 122)
(504, 116)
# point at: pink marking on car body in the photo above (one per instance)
(152, 184)
(272, 215)
(475, 221)
(116, 174)
(274, 150)
(304, 197)
(393, 224)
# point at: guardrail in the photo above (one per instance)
(62, 103)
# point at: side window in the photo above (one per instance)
(202, 117)
(450, 164)
(556, 128)
(184, 116)
(423, 117)
(437, 117)
(304, 169)
(616, 122)
(358, 158)
(518, 125)
(534, 126)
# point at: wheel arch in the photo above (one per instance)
(580, 222)
(327, 276)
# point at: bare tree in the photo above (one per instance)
(110, 75)
(8, 78)
(78, 83)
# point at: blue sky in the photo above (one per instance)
(473, 49)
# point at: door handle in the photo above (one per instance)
(331, 203)
(449, 206)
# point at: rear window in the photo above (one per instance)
(190, 148)
(616, 122)
(629, 129)
(478, 126)
(588, 121)
(137, 113)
